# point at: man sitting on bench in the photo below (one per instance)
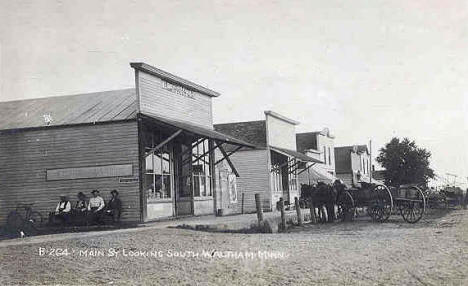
(62, 211)
(114, 206)
(95, 208)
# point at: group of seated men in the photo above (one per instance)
(92, 210)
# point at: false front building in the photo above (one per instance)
(154, 143)
(352, 164)
(272, 168)
(319, 145)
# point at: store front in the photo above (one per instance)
(283, 173)
(178, 166)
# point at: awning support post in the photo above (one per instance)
(282, 165)
(167, 140)
(207, 152)
(307, 168)
(233, 168)
(229, 154)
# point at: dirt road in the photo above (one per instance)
(432, 252)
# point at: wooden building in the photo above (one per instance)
(154, 143)
(272, 168)
(319, 145)
(352, 164)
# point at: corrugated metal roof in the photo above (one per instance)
(72, 109)
(253, 132)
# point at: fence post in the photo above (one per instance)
(283, 217)
(298, 211)
(465, 200)
(258, 204)
(242, 210)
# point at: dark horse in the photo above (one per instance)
(323, 197)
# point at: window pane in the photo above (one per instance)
(149, 186)
(166, 163)
(196, 186)
(157, 163)
(149, 163)
(208, 186)
(158, 186)
(166, 191)
(202, 185)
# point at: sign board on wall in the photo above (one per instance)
(177, 89)
(128, 180)
(89, 172)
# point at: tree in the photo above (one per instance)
(405, 163)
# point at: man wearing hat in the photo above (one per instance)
(62, 211)
(114, 206)
(96, 207)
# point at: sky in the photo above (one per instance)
(367, 70)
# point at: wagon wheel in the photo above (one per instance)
(345, 203)
(381, 204)
(412, 210)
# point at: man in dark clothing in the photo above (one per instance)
(114, 206)
(62, 211)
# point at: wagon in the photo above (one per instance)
(376, 198)
(410, 202)
(381, 202)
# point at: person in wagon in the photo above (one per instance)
(62, 211)
(114, 206)
(95, 207)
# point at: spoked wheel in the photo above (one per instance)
(412, 207)
(345, 203)
(381, 204)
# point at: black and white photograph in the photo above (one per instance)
(216, 142)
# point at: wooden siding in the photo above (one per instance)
(254, 177)
(281, 133)
(26, 155)
(154, 99)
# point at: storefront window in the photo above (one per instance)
(201, 171)
(276, 179)
(158, 171)
(292, 176)
(277, 171)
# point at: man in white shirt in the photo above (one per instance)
(96, 207)
(62, 211)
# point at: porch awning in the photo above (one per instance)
(198, 130)
(318, 174)
(299, 156)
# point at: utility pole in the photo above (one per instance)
(370, 161)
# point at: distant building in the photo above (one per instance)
(379, 175)
(352, 164)
(271, 169)
(318, 145)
